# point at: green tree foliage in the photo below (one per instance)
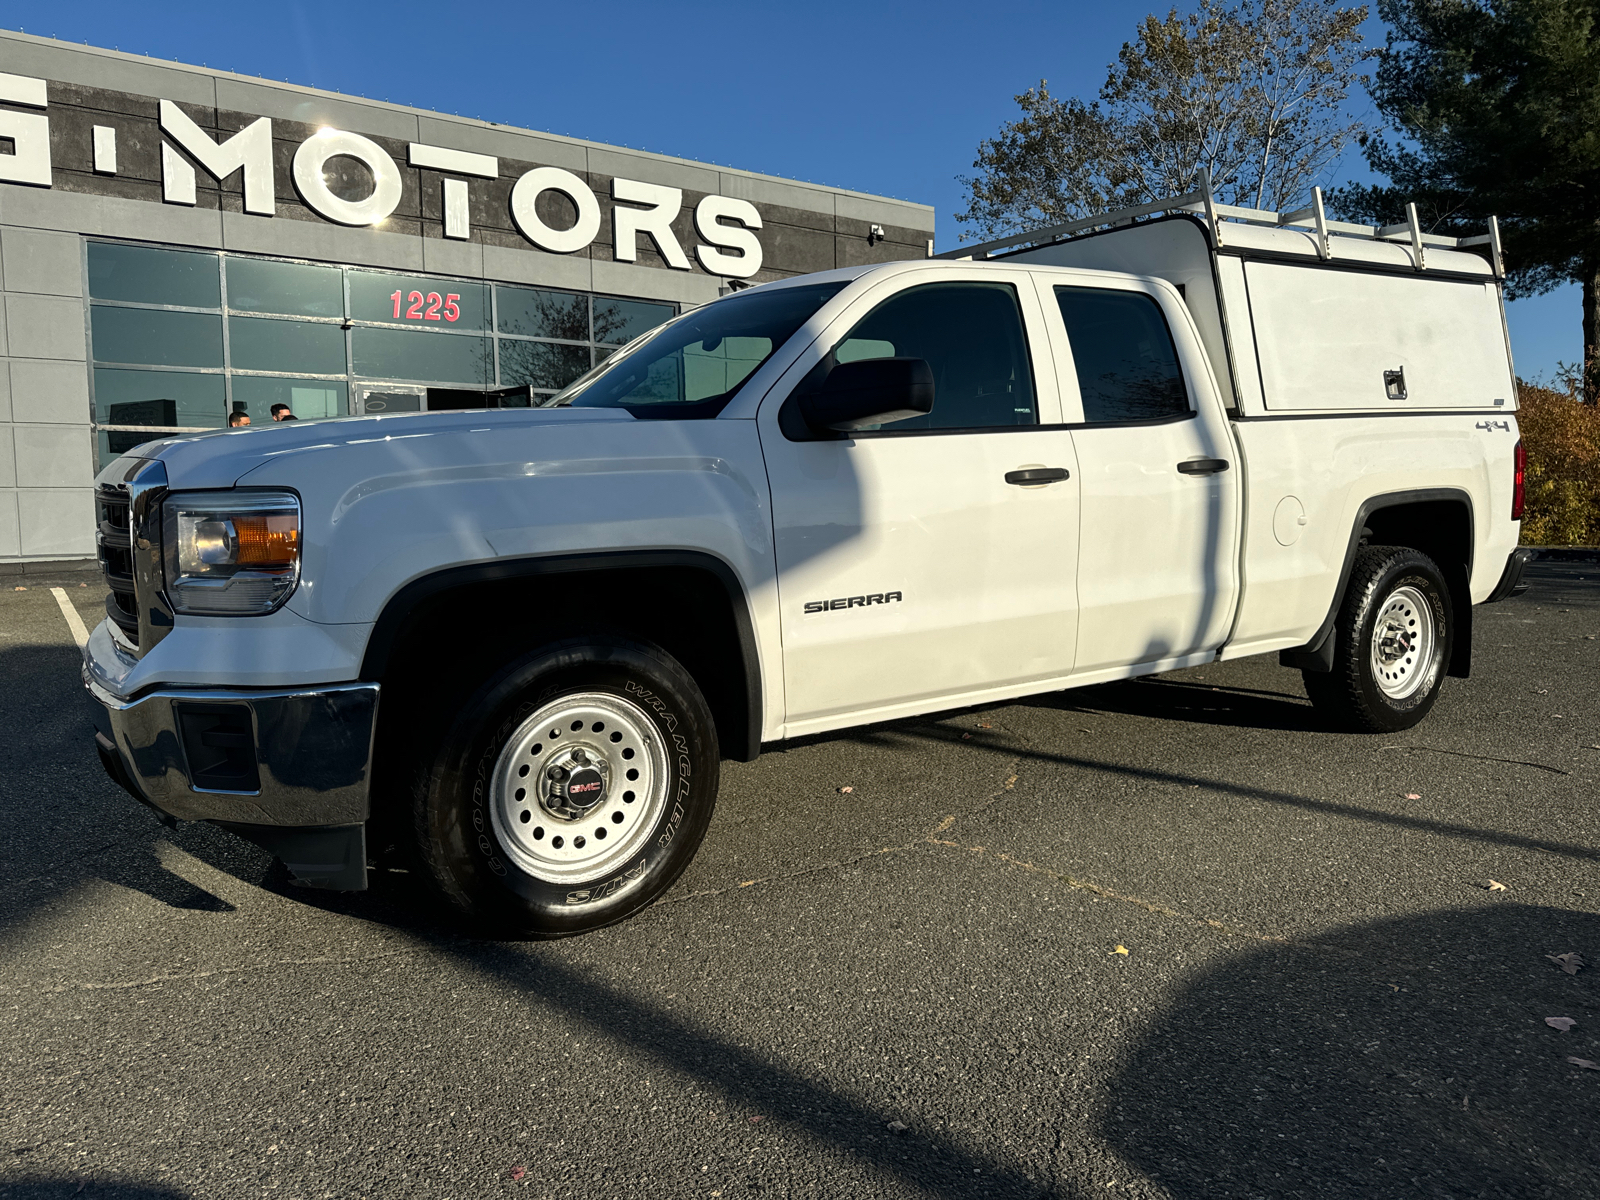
(1254, 92)
(1562, 436)
(1497, 108)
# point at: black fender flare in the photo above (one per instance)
(1317, 652)
(386, 630)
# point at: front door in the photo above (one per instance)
(1157, 574)
(932, 559)
(371, 398)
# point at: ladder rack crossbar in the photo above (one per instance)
(1203, 204)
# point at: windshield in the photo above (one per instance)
(693, 366)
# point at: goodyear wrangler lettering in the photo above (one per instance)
(816, 606)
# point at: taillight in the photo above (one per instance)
(1521, 458)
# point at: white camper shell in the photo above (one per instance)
(1310, 315)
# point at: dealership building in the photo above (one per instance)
(179, 245)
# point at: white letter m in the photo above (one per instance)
(249, 150)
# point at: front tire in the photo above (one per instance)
(1393, 640)
(572, 790)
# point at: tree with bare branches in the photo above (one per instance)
(1255, 93)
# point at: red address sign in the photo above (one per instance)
(432, 307)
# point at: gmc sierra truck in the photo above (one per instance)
(522, 640)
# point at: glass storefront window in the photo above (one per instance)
(156, 337)
(295, 289)
(532, 313)
(415, 354)
(619, 321)
(144, 275)
(418, 302)
(263, 344)
(172, 399)
(464, 337)
(541, 364)
(308, 399)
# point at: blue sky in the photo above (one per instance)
(883, 98)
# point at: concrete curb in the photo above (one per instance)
(1569, 554)
(55, 568)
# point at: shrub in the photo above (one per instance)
(1562, 437)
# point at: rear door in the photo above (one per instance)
(911, 572)
(1160, 480)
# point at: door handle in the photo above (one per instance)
(1202, 466)
(1036, 475)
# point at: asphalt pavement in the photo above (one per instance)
(1169, 938)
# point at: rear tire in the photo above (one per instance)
(572, 790)
(1393, 640)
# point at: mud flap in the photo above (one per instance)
(330, 856)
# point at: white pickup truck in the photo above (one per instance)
(523, 639)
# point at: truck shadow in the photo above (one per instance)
(62, 823)
(1402, 1058)
(749, 1077)
(1008, 748)
(1197, 703)
(46, 1188)
(47, 756)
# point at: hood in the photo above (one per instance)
(222, 458)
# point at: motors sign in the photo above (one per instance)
(725, 226)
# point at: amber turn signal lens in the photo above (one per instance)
(267, 539)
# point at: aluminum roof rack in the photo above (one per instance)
(1202, 203)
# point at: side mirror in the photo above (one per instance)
(870, 391)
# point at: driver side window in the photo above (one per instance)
(971, 335)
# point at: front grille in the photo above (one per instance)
(114, 536)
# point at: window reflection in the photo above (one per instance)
(542, 364)
(619, 321)
(562, 315)
(145, 275)
(415, 354)
(1122, 351)
(263, 344)
(155, 336)
(158, 398)
(308, 399)
(294, 289)
(179, 338)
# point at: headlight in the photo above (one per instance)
(231, 553)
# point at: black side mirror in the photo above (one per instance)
(870, 391)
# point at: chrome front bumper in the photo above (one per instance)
(311, 750)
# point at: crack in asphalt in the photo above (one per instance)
(932, 838)
(1518, 762)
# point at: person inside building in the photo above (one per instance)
(238, 420)
(280, 412)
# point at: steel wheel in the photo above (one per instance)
(1392, 641)
(578, 787)
(1403, 640)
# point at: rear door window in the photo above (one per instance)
(1122, 349)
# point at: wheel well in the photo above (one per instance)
(1438, 522)
(1442, 529)
(437, 644)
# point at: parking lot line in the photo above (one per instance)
(74, 622)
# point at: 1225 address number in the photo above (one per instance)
(432, 307)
